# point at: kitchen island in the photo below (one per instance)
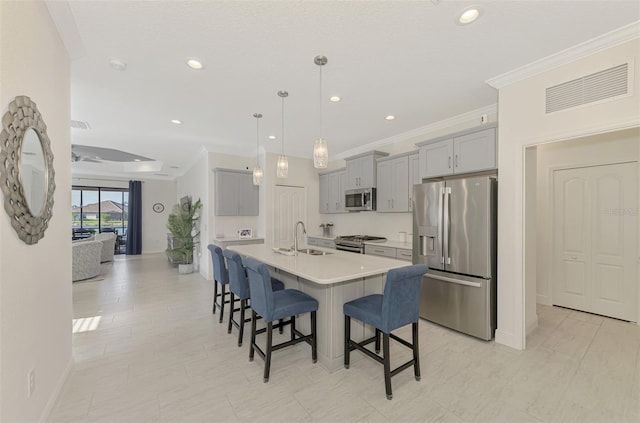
(333, 280)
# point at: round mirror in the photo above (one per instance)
(33, 171)
(27, 178)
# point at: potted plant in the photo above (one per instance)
(183, 226)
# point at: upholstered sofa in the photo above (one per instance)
(108, 240)
(85, 259)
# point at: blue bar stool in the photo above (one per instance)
(221, 277)
(397, 307)
(277, 305)
(239, 287)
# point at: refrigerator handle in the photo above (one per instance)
(440, 225)
(446, 225)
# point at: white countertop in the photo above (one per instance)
(236, 238)
(339, 266)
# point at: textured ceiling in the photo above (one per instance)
(407, 58)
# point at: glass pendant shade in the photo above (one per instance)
(320, 154)
(282, 167)
(257, 175)
(320, 149)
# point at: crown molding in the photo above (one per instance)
(603, 42)
(422, 131)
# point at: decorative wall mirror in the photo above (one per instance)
(26, 170)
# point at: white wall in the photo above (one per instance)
(154, 225)
(524, 123)
(35, 280)
(614, 147)
(196, 183)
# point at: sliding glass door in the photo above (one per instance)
(95, 210)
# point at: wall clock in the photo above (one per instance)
(158, 207)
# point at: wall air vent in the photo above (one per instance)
(78, 124)
(609, 83)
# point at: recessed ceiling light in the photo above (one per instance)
(136, 160)
(390, 117)
(272, 137)
(194, 64)
(335, 99)
(117, 64)
(176, 121)
(468, 15)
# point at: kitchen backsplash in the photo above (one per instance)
(388, 225)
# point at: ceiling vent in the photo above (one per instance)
(606, 84)
(78, 124)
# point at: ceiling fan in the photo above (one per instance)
(85, 153)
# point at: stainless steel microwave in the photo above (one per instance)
(362, 199)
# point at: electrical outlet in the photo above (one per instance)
(31, 382)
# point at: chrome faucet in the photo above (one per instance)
(295, 234)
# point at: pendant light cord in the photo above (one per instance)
(320, 105)
(257, 141)
(282, 126)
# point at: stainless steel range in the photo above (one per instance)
(355, 243)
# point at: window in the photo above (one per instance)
(95, 210)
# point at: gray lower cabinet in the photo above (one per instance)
(391, 252)
(235, 193)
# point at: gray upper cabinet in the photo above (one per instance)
(361, 170)
(393, 185)
(332, 187)
(414, 176)
(465, 152)
(323, 202)
(235, 193)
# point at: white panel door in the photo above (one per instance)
(595, 249)
(290, 206)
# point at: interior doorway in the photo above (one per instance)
(594, 239)
(290, 206)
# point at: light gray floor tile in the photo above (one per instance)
(159, 354)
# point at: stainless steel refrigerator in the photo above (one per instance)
(454, 233)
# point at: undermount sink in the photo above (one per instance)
(313, 252)
(292, 252)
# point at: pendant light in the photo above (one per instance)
(282, 168)
(320, 149)
(257, 171)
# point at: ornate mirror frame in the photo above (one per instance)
(23, 115)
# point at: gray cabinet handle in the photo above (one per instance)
(449, 162)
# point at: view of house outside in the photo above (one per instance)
(95, 210)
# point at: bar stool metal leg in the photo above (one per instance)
(243, 305)
(293, 327)
(377, 344)
(314, 338)
(416, 353)
(387, 364)
(347, 338)
(233, 299)
(215, 296)
(267, 355)
(222, 298)
(253, 335)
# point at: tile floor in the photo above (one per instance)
(158, 354)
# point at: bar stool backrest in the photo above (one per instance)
(401, 298)
(220, 273)
(238, 281)
(260, 288)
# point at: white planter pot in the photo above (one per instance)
(185, 269)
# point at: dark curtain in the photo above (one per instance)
(134, 227)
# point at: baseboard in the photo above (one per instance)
(56, 393)
(543, 299)
(508, 339)
(532, 325)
